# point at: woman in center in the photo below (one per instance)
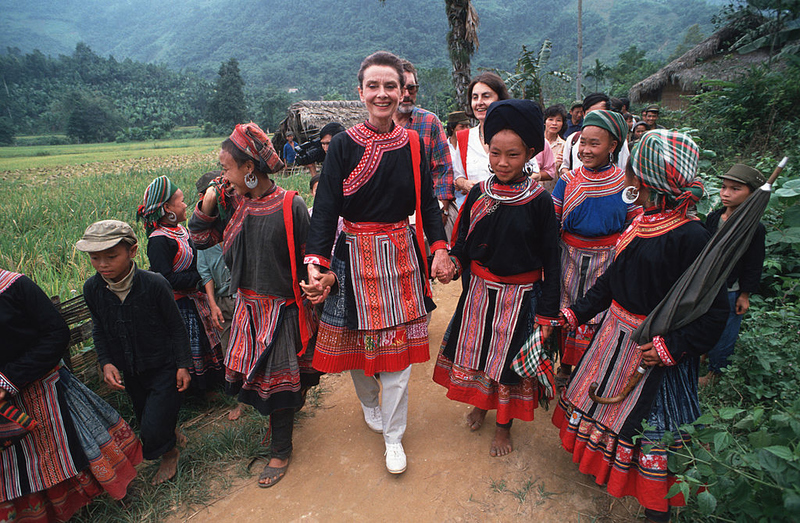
(508, 237)
(375, 175)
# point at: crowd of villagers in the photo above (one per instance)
(293, 294)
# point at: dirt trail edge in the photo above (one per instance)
(338, 473)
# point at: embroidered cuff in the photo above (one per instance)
(203, 217)
(5, 383)
(441, 244)
(663, 353)
(570, 318)
(548, 320)
(317, 260)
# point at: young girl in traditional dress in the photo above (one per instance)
(650, 256)
(79, 447)
(263, 229)
(173, 255)
(508, 236)
(592, 214)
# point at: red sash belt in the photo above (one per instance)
(585, 242)
(373, 227)
(515, 279)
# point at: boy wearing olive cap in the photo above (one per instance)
(737, 185)
(138, 331)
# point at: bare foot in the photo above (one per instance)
(501, 444)
(181, 439)
(708, 379)
(475, 418)
(236, 412)
(168, 468)
(273, 472)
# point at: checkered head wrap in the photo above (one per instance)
(612, 122)
(666, 163)
(254, 142)
(156, 195)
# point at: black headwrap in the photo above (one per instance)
(524, 117)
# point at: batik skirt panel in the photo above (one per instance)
(339, 346)
(77, 430)
(582, 263)
(477, 379)
(262, 366)
(207, 367)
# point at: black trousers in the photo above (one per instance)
(156, 401)
(282, 424)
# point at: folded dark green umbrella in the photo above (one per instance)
(691, 296)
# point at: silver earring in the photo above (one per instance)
(610, 157)
(171, 216)
(490, 169)
(527, 170)
(250, 180)
(630, 194)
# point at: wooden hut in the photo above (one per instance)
(307, 117)
(708, 60)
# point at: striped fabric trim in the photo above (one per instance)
(663, 352)
(507, 301)
(583, 183)
(610, 360)
(7, 278)
(651, 226)
(264, 206)
(386, 277)
(6, 384)
(183, 258)
(580, 268)
(255, 321)
(375, 145)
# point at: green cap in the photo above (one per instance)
(576, 103)
(105, 234)
(457, 117)
(745, 174)
(653, 108)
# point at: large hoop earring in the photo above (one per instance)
(630, 194)
(527, 169)
(250, 180)
(610, 158)
(171, 216)
(490, 168)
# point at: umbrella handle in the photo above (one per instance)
(633, 379)
(777, 170)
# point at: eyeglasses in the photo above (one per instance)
(412, 88)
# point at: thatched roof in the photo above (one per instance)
(707, 60)
(307, 117)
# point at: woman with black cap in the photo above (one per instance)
(508, 237)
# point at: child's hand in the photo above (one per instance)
(650, 356)
(112, 377)
(317, 293)
(183, 378)
(216, 316)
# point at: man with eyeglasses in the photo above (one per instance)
(433, 137)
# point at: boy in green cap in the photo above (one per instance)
(737, 185)
(140, 336)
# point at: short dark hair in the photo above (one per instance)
(203, 181)
(494, 82)
(408, 67)
(594, 99)
(312, 182)
(557, 110)
(381, 58)
(332, 128)
(616, 105)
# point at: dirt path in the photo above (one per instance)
(338, 473)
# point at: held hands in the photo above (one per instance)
(182, 379)
(442, 267)
(112, 377)
(319, 284)
(650, 356)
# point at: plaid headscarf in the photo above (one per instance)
(666, 163)
(610, 121)
(156, 195)
(254, 142)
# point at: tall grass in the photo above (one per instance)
(41, 219)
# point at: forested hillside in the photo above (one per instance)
(316, 45)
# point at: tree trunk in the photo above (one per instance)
(462, 42)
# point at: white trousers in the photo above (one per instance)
(394, 404)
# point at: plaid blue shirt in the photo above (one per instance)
(432, 133)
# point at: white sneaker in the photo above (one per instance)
(395, 458)
(373, 417)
